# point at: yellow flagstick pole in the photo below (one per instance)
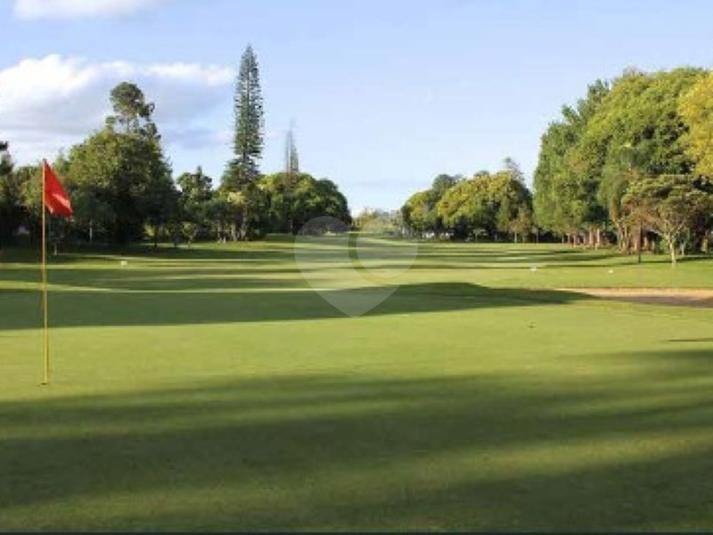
(46, 339)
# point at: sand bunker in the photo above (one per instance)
(657, 296)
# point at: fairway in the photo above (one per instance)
(214, 388)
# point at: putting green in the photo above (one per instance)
(215, 388)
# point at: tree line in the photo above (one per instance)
(630, 164)
(490, 206)
(122, 189)
(632, 160)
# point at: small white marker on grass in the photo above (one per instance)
(124, 263)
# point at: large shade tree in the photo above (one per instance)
(293, 200)
(491, 205)
(119, 179)
(566, 178)
(668, 205)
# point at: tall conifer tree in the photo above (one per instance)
(243, 170)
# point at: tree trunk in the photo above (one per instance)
(619, 233)
(245, 224)
(638, 246)
(672, 251)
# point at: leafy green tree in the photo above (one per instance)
(11, 188)
(223, 215)
(419, 212)
(510, 198)
(443, 183)
(5, 159)
(566, 178)
(696, 108)
(513, 168)
(668, 204)
(330, 201)
(109, 172)
(195, 203)
(120, 179)
(293, 200)
(464, 209)
(29, 183)
(379, 222)
(638, 131)
(159, 200)
(620, 132)
(523, 223)
(487, 205)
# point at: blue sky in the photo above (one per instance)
(384, 95)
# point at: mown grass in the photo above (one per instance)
(214, 388)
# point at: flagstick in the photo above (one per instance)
(46, 340)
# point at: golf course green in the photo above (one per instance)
(214, 387)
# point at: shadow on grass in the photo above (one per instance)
(263, 251)
(72, 308)
(495, 451)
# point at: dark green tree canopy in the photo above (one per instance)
(248, 135)
(293, 200)
(119, 179)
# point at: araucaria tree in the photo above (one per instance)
(243, 171)
(292, 162)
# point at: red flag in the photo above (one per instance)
(56, 199)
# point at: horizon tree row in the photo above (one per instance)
(122, 189)
(491, 206)
(631, 163)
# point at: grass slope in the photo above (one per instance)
(212, 388)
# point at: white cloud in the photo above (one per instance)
(68, 9)
(210, 74)
(53, 102)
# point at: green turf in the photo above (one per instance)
(212, 388)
